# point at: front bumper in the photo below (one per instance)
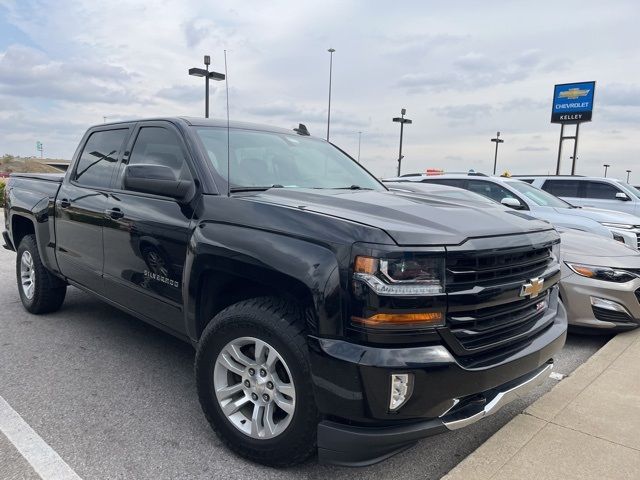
(360, 446)
(352, 390)
(576, 290)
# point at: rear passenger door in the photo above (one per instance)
(81, 204)
(146, 237)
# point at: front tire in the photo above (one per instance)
(254, 381)
(40, 291)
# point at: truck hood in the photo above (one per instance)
(601, 215)
(408, 219)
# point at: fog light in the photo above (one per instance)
(401, 389)
(608, 305)
(618, 237)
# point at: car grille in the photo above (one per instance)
(497, 325)
(494, 278)
(610, 315)
(467, 271)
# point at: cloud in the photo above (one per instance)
(27, 72)
(619, 94)
(530, 148)
(184, 93)
(469, 113)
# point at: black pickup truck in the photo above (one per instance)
(328, 313)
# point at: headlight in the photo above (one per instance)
(623, 226)
(602, 273)
(411, 275)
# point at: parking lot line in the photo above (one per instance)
(44, 460)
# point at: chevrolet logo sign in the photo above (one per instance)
(573, 93)
(533, 288)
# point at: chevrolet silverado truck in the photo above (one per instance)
(328, 313)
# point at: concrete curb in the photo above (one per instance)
(494, 454)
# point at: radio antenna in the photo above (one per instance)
(226, 82)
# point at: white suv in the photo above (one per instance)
(596, 192)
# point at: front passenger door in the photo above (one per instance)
(146, 238)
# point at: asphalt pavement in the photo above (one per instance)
(116, 399)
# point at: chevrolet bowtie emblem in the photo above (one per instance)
(533, 288)
(574, 93)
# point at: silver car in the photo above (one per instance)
(600, 284)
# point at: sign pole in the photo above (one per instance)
(560, 148)
(575, 150)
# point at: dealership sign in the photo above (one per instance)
(573, 102)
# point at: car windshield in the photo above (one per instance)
(634, 190)
(261, 160)
(539, 197)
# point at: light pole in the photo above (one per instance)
(401, 120)
(331, 50)
(498, 141)
(628, 174)
(606, 167)
(201, 72)
(360, 142)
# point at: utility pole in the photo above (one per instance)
(201, 72)
(498, 141)
(359, 143)
(331, 50)
(606, 167)
(628, 173)
(401, 120)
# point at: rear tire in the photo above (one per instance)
(40, 291)
(251, 330)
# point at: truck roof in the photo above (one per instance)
(207, 122)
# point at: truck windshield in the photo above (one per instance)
(261, 160)
(539, 197)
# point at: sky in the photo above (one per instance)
(463, 70)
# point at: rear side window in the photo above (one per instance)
(562, 188)
(601, 190)
(452, 182)
(99, 157)
(160, 146)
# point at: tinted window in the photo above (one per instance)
(452, 182)
(491, 190)
(600, 190)
(537, 196)
(562, 188)
(159, 146)
(526, 180)
(99, 158)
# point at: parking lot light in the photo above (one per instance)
(401, 120)
(606, 167)
(202, 72)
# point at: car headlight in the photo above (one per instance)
(411, 275)
(623, 226)
(603, 273)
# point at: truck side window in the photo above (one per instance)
(99, 158)
(601, 190)
(562, 188)
(159, 146)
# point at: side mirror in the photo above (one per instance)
(511, 203)
(622, 197)
(157, 180)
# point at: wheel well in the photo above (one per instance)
(216, 293)
(20, 227)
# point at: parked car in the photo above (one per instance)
(600, 284)
(597, 192)
(522, 196)
(445, 193)
(327, 312)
